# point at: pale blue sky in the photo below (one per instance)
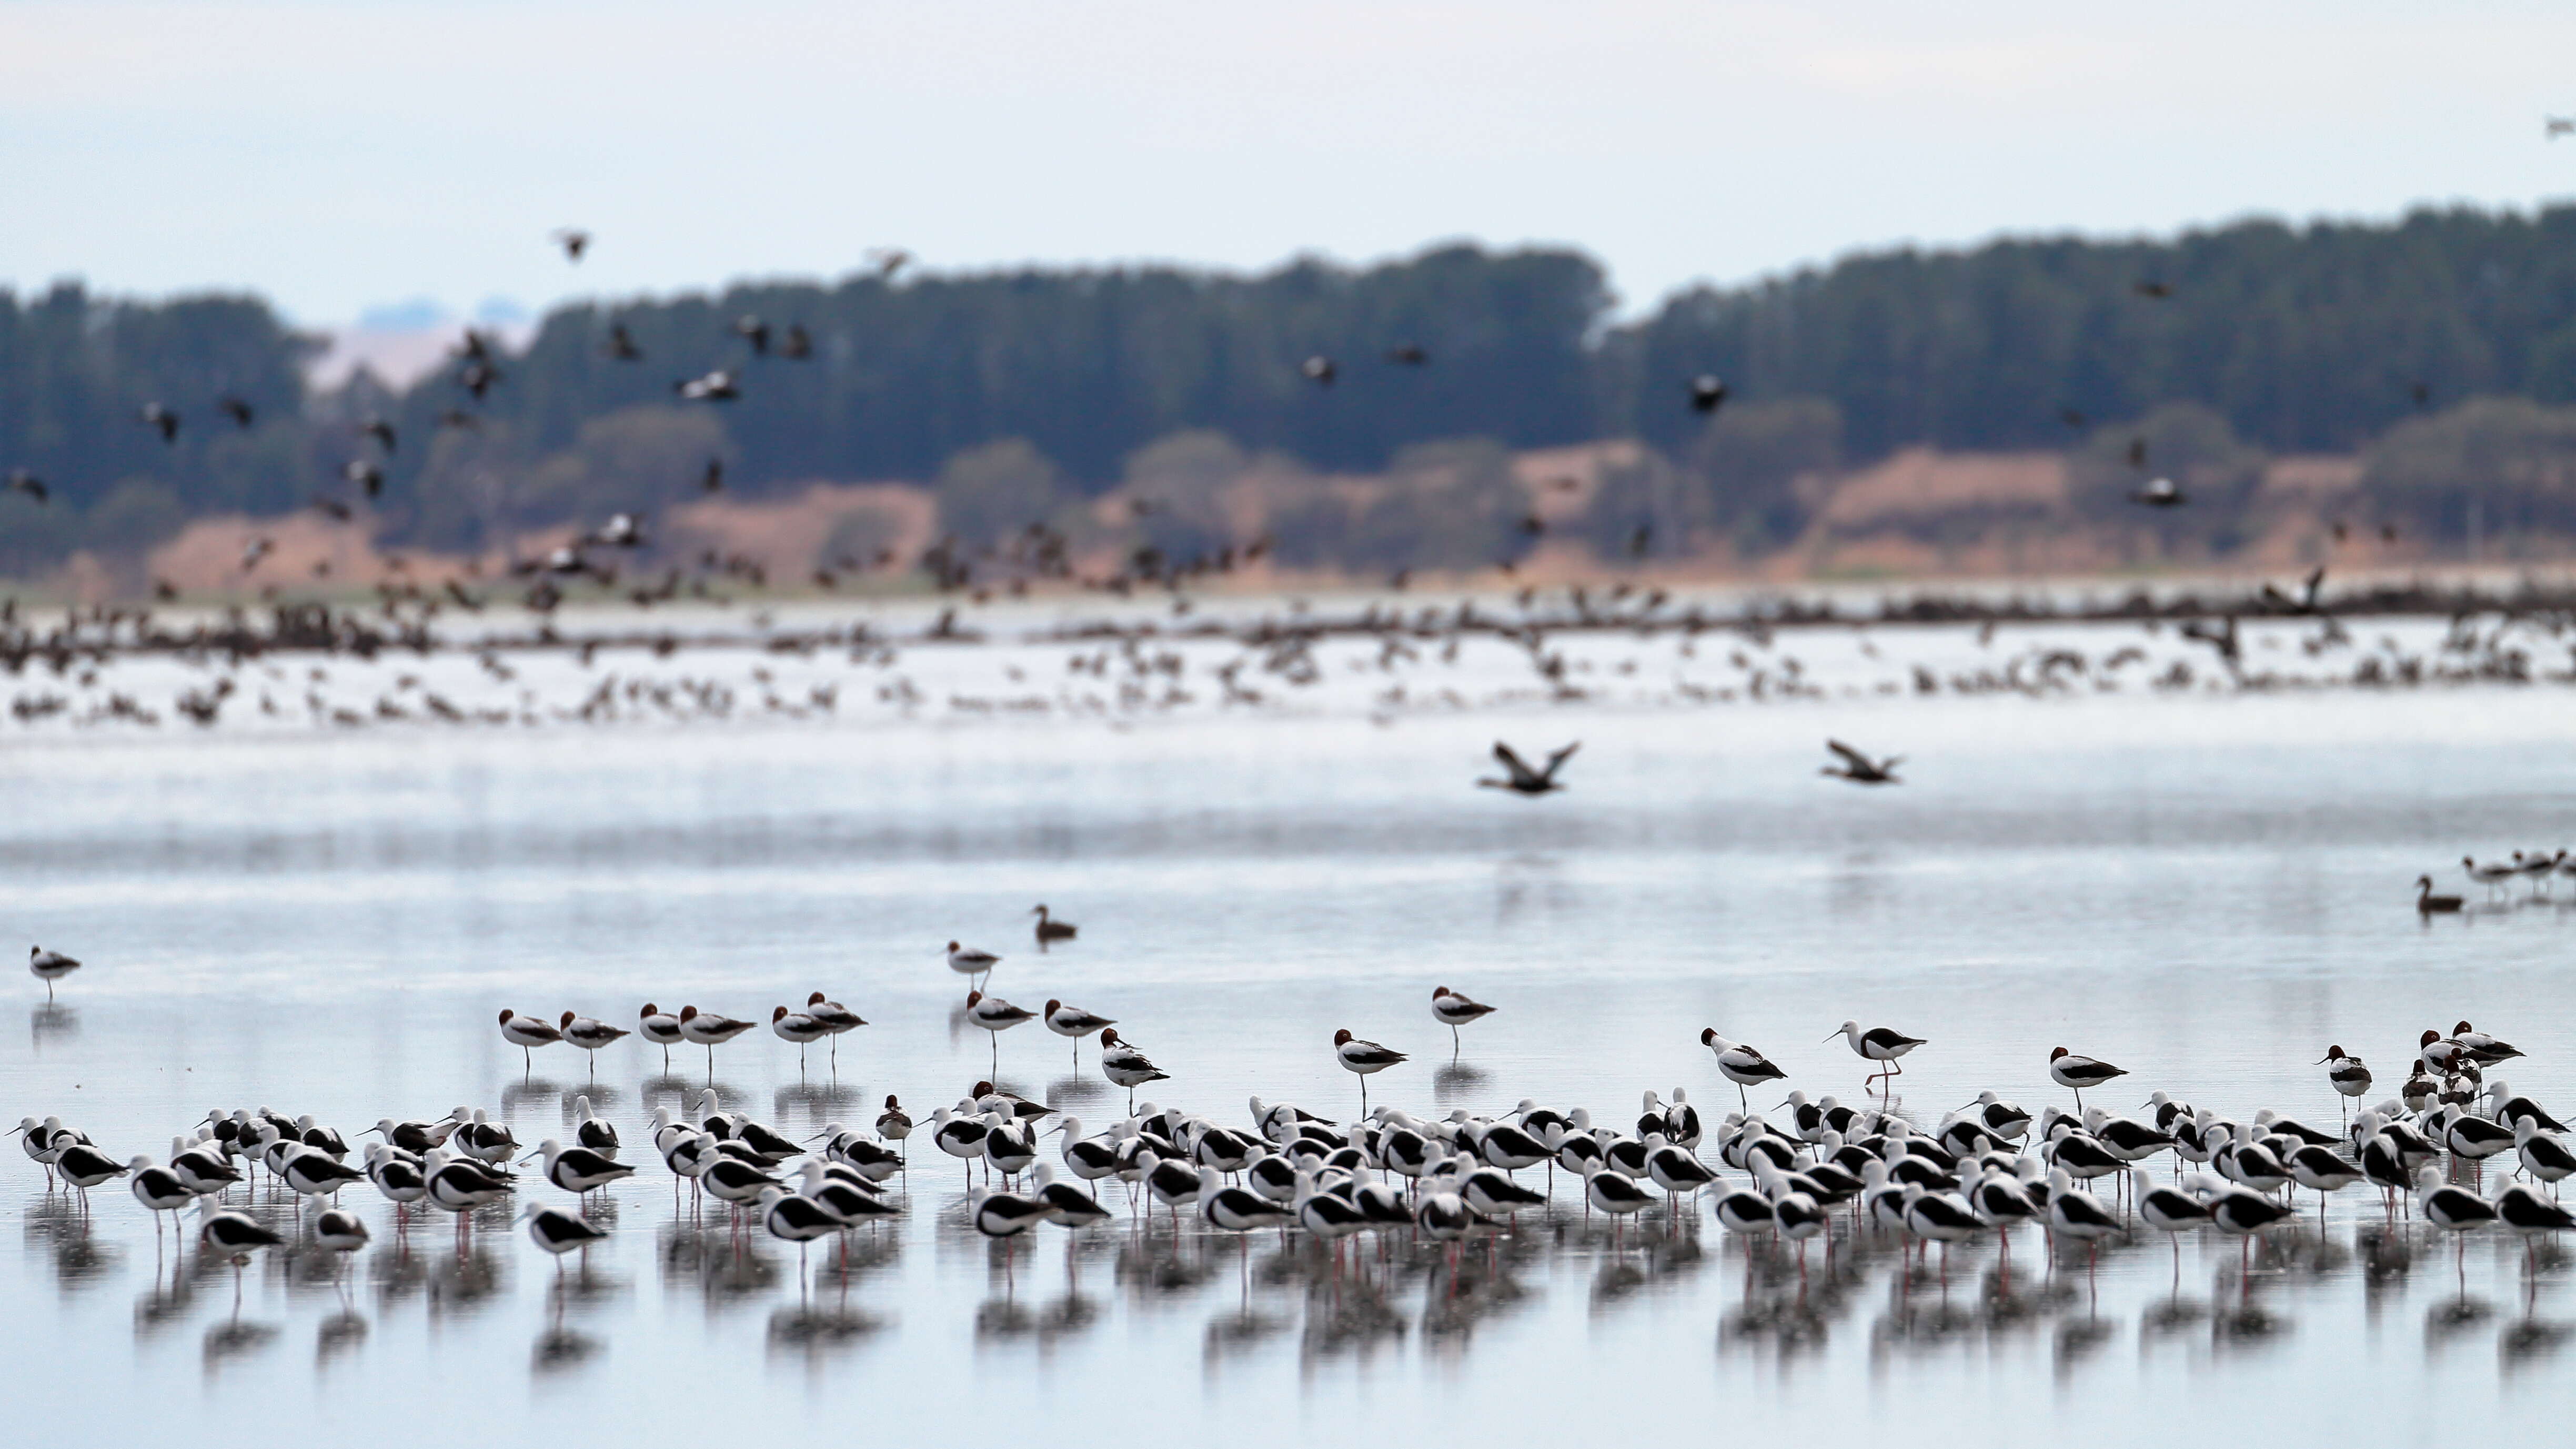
(338, 156)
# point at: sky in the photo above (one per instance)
(356, 155)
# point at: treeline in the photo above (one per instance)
(2319, 338)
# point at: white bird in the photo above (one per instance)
(836, 1019)
(1878, 1044)
(1364, 1058)
(660, 1028)
(969, 962)
(799, 1028)
(1067, 1206)
(589, 1035)
(49, 967)
(341, 1231)
(590, 1130)
(577, 1169)
(559, 1232)
(2071, 1071)
(995, 1016)
(1740, 1064)
(527, 1033)
(1125, 1066)
(1453, 1010)
(709, 1029)
(1002, 1214)
(1074, 1022)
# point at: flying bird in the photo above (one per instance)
(1320, 369)
(797, 345)
(1860, 769)
(2160, 493)
(23, 481)
(162, 420)
(2553, 127)
(1706, 393)
(365, 474)
(2305, 601)
(1523, 780)
(712, 480)
(888, 260)
(380, 430)
(751, 329)
(1411, 354)
(242, 413)
(716, 386)
(574, 242)
(2155, 289)
(621, 344)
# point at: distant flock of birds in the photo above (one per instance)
(1986, 1167)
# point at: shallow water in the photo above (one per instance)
(2207, 889)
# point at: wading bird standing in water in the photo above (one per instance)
(1454, 1010)
(1524, 780)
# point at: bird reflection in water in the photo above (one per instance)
(2446, 1322)
(2531, 1342)
(813, 1104)
(716, 1259)
(1072, 1092)
(2079, 1339)
(52, 1023)
(56, 1227)
(234, 1339)
(463, 1282)
(560, 1350)
(338, 1336)
(1456, 1084)
(1524, 882)
(520, 1098)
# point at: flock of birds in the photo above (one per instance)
(1985, 1168)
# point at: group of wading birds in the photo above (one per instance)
(1985, 1168)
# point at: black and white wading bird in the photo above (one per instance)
(49, 967)
(1878, 1044)
(1125, 1066)
(528, 1033)
(995, 1016)
(1740, 1064)
(1453, 1010)
(976, 966)
(1365, 1058)
(1074, 1022)
(2076, 1073)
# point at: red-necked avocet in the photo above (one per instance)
(1364, 1058)
(660, 1028)
(1074, 1022)
(1125, 1066)
(799, 1029)
(589, 1035)
(709, 1029)
(1878, 1044)
(527, 1033)
(968, 962)
(835, 1019)
(2076, 1072)
(49, 967)
(995, 1016)
(1453, 1010)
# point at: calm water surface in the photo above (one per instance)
(2207, 890)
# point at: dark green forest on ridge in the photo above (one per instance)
(2318, 337)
